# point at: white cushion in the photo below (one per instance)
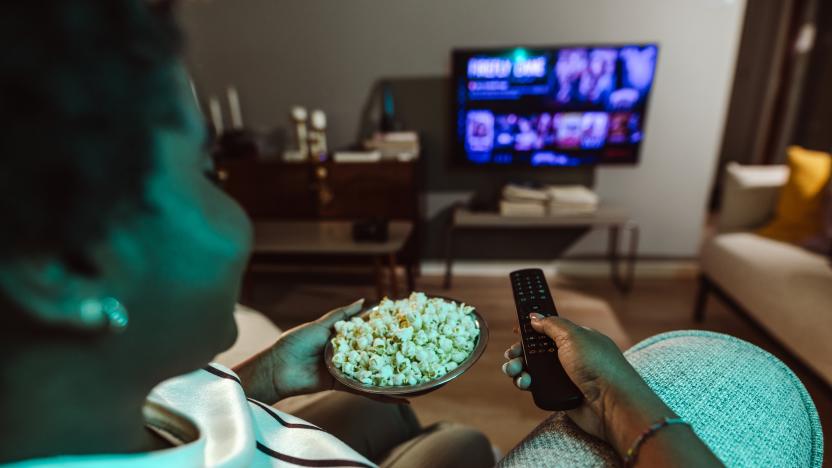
(749, 195)
(758, 176)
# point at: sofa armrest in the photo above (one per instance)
(749, 195)
(255, 332)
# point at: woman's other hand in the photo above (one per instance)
(618, 406)
(597, 367)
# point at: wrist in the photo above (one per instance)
(629, 410)
(258, 376)
(276, 375)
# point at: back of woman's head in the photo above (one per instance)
(82, 85)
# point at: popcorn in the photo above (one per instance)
(405, 342)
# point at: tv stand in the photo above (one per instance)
(615, 220)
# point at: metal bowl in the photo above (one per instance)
(405, 391)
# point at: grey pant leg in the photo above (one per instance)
(370, 427)
(443, 445)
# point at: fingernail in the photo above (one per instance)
(519, 382)
(536, 316)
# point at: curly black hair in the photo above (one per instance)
(83, 85)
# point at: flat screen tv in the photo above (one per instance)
(558, 106)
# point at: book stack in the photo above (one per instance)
(401, 146)
(356, 156)
(520, 200)
(571, 200)
(553, 200)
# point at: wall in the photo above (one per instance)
(329, 54)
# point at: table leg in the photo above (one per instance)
(612, 256)
(449, 256)
(379, 281)
(394, 284)
(625, 283)
(632, 254)
(410, 274)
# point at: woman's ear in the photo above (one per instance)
(55, 291)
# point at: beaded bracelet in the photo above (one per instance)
(632, 453)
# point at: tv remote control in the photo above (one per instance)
(551, 388)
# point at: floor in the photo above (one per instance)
(483, 395)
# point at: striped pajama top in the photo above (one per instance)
(210, 423)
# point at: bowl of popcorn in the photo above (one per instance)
(406, 347)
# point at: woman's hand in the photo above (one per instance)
(618, 406)
(598, 368)
(298, 355)
(294, 365)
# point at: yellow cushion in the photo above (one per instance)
(798, 212)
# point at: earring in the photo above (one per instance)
(108, 311)
(116, 314)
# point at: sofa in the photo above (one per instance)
(784, 288)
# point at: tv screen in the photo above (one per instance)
(563, 106)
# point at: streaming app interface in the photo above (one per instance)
(555, 107)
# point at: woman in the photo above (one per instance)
(120, 266)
